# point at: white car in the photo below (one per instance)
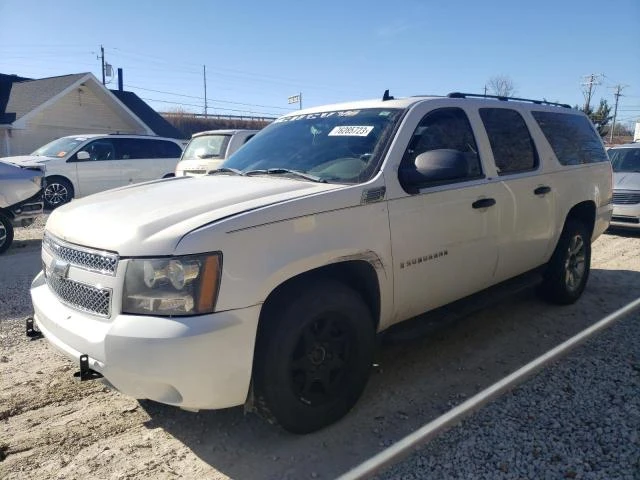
(80, 165)
(207, 150)
(265, 282)
(20, 200)
(625, 160)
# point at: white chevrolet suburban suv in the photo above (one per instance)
(265, 282)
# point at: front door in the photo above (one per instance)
(444, 235)
(102, 171)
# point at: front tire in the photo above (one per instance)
(6, 233)
(58, 191)
(313, 357)
(568, 270)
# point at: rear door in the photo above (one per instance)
(527, 222)
(147, 159)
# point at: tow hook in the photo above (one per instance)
(85, 372)
(32, 332)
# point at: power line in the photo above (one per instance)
(211, 99)
(220, 109)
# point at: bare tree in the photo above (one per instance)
(501, 85)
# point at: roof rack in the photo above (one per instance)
(504, 99)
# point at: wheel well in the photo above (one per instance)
(169, 175)
(61, 177)
(585, 212)
(357, 274)
(6, 213)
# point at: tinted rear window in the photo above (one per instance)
(572, 138)
(513, 149)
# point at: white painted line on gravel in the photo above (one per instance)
(432, 429)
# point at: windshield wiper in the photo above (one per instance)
(225, 170)
(208, 155)
(286, 171)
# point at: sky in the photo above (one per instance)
(257, 54)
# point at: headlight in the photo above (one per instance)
(172, 286)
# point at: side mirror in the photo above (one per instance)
(434, 166)
(83, 155)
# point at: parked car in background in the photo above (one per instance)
(625, 160)
(79, 165)
(20, 200)
(207, 150)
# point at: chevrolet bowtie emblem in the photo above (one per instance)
(59, 268)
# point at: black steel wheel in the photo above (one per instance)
(313, 356)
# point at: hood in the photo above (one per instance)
(151, 218)
(626, 180)
(27, 160)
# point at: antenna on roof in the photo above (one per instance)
(386, 96)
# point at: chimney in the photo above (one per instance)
(120, 80)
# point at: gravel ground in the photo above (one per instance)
(582, 421)
(579, 419)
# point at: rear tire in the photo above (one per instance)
(313, 356)
(58, 191)
(6, 233)
(568, 270)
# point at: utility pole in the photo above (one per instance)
(615, 110)
(204, 74)
(102, 57)
(590, 82)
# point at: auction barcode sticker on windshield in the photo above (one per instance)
(350, 131)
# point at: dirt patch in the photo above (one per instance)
(53, 426)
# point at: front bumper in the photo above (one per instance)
(26, 211)
(201, 362)
(626, 216)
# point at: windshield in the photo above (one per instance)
(60, 147)
(625, 159)
(335, 146)
(206, 146)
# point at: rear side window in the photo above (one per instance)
(572, 138)
(511, 142)
(131, 148)
(166, 149)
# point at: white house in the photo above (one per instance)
(34, 112)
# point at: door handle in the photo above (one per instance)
(484, 203)
(542, 190)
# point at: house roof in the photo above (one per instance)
(19, 96)
(147, 114)
(24, 95)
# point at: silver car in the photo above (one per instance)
(20, 200)
(625, 160)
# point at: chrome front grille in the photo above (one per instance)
(85, 298)
(86, 258)
(58, 257)
(626, 198)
